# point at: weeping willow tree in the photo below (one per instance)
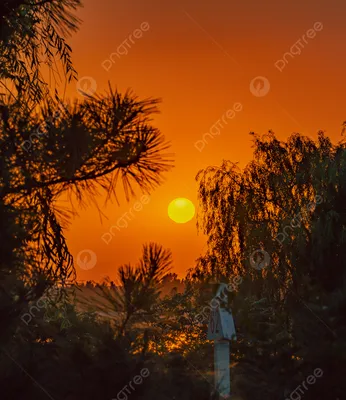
(286, 208)
(288, 201)
(33, 35)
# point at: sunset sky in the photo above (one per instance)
(200, 59)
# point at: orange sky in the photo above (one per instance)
(200, 58)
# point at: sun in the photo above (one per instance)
(181, 210)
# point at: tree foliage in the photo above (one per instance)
(287, 203)
(49, 148)
(32, 36)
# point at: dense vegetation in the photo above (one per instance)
(143, 335)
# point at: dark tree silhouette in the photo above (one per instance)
(288, 203)
(32, 34)
(49, 148)
(137, 290)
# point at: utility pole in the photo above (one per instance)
(221, 329)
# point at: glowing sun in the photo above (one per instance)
(181, 210)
